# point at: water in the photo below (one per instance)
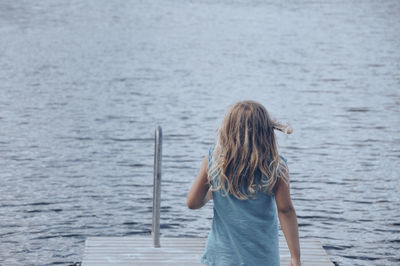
(83, 84)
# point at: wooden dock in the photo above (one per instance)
(139, 250)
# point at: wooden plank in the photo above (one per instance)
(139, 250)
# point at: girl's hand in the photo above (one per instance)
(295, 262)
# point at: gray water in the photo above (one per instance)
(83, 84)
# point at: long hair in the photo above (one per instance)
(246, 149)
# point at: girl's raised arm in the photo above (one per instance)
(287, 218)
(200, 193)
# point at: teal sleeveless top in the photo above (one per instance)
(243, 232)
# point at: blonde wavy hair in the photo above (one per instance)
(246, 149)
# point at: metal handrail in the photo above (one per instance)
(157, 187)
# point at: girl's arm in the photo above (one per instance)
(288, 219)
(200, 193)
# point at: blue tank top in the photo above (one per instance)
(243, 232)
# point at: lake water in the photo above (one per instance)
(83, 84)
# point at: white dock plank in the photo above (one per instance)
(102, 251)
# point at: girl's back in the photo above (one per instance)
(243, 232)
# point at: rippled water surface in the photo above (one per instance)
(84, 83)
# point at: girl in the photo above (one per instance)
(249, 183)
